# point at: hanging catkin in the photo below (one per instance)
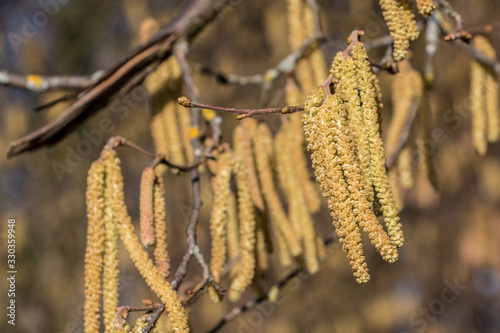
(95, 246)
(138, 254)
(484, 99)
(400, 20)
(162, 259)
(368, 94)
(246, 216)
(110, 273)
(146, 207)
(242, 142)
(218, 219)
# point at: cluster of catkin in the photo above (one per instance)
(170, 123)
(107, 219)
(484, 98)
(344, 136)
(400, 20)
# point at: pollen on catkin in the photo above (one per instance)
(246, 216)
(110, 282)
(162, 259)
(95, 246)
(146, 207)
(138, 254)
(401, 23)
(218, 218)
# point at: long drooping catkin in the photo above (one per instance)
(407, 89)
(110, 273)
(218, 218)
(138, 254)
(424, 137)
(162, 259)
(242, 142)
(146, 207)
(233, 247)
(369, 99)
(484, 99)
(246, 216)
(95, 246)
(401, 23)
(262, 142)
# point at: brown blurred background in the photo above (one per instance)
(452, 237)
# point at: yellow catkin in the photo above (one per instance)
(262, 142)
(218, 218)
(424, 138)
(146, 207)
(246, 216)
(110, 273)
(175, 145)
(484, 98)
(405, 167)
(95, 246)
(233, 247)
(369, 101)
(260, 245)
(401, 23)
(242, 142)
(162, 259)
(317, 128)
(138, 254)
(299, 216)
(492, 111)
(407, 88)
(425, 7)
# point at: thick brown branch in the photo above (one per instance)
(193, 17)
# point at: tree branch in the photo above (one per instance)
(188, 22)
(40, 84)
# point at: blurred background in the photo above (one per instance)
(446, 280)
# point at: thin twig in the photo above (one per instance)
(186, 102)
(286, 66)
